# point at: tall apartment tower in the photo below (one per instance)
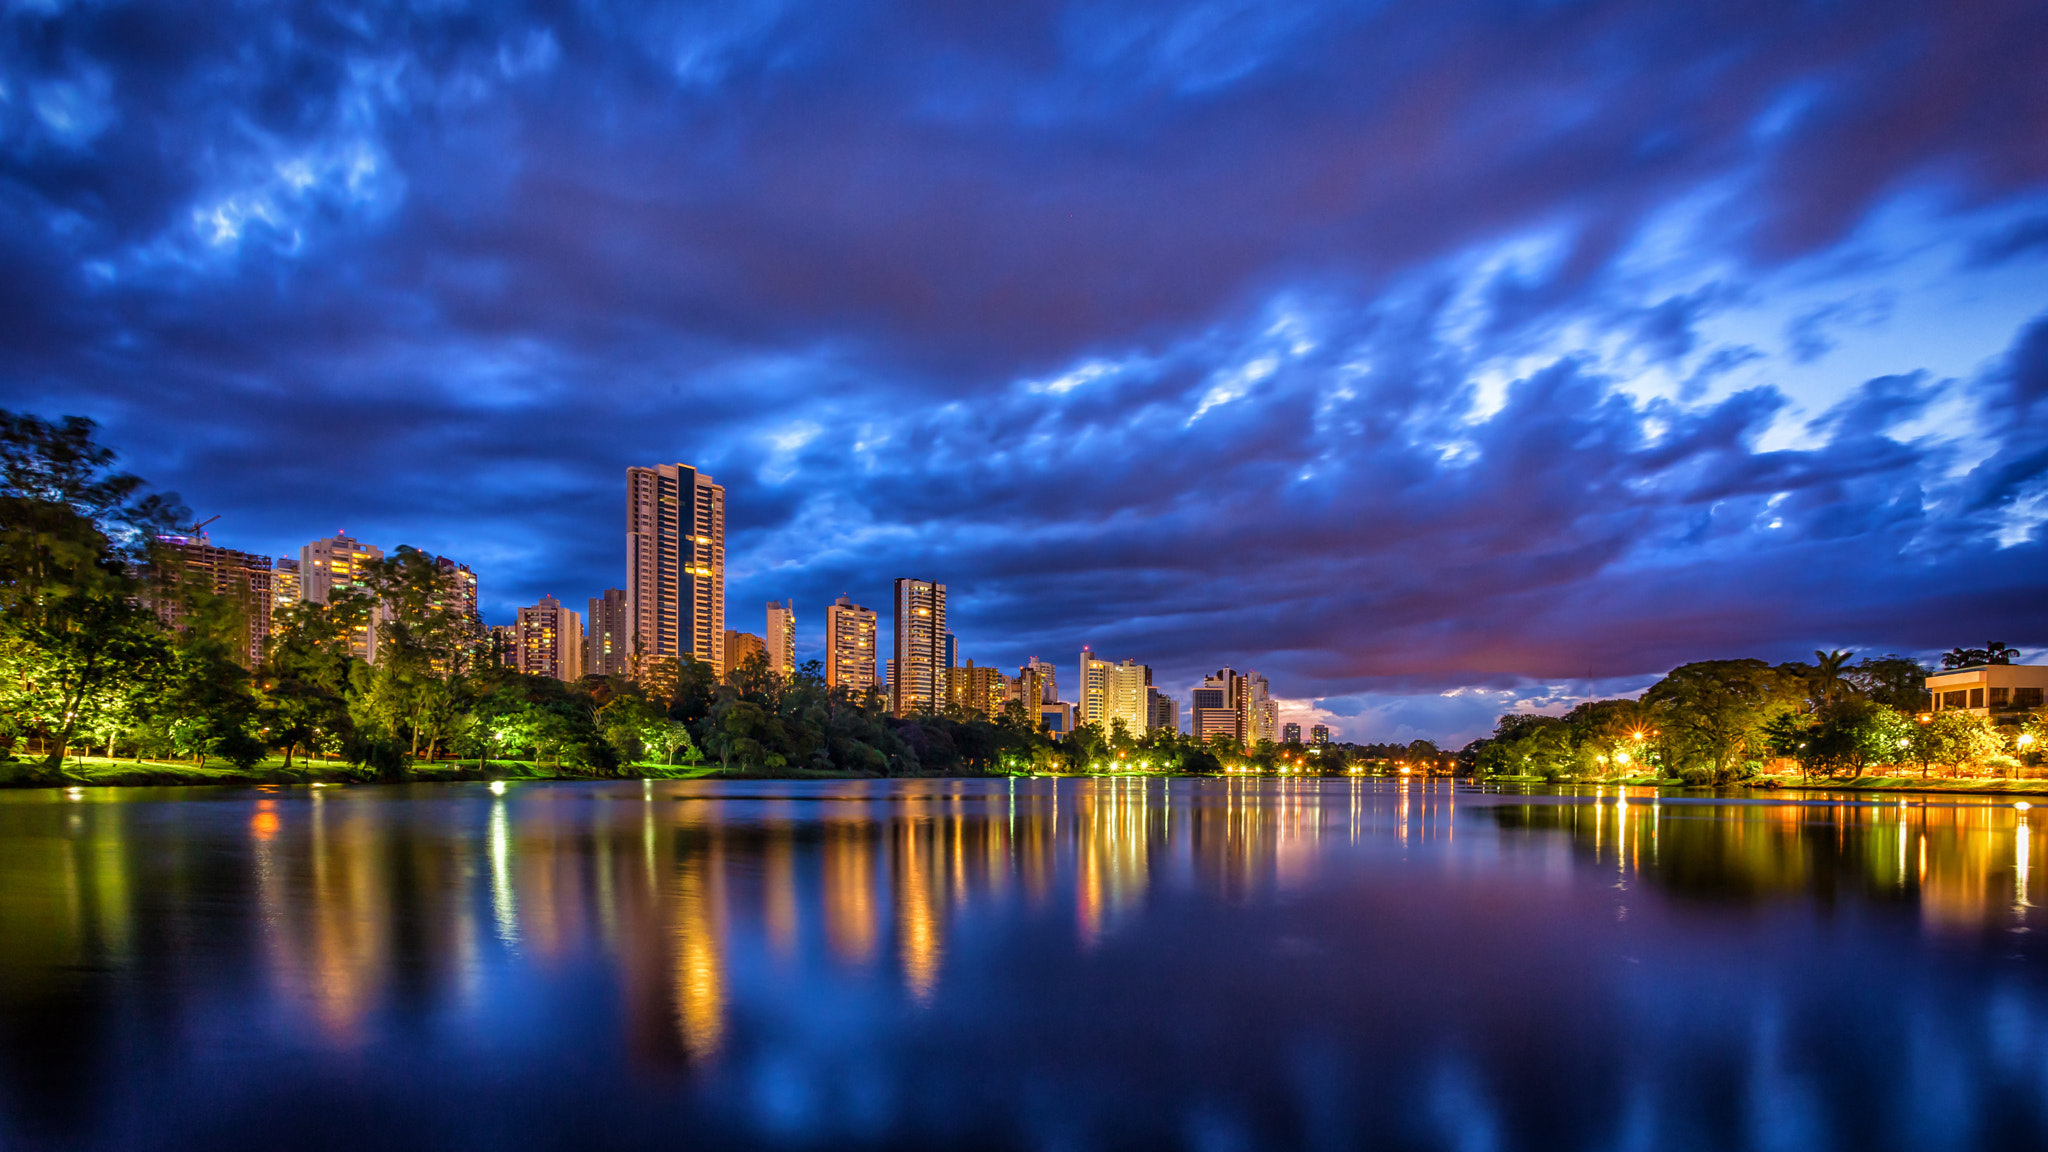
(1048, 679)
(849, 646)
(461, 582)
(781, 636)
(739, 646)
(239, 576)
(1219, 706)
(284, 588)
(1290, 733)
(977, 690)
(548, 641)
(1319, 734)
(1112, 692)
(604, 635)
(336, 564)
(675, 566)
(917, 678)
(1261, 711)
(1162, 712)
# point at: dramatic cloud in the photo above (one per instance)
(1432, 359)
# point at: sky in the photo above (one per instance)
(1433, 359)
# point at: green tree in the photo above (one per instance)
(1895, 681)
(1713, 713)
(72, 532)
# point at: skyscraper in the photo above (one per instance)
(242, 577)
(738, 647)
(977, 690)
(1111, 692)
(461, 583)
(1261, 711)
(284, 588)
(1319, 734)
(604, 635)
(336, 564)
(548, 641)
(1219, 706)
(1048, 679)
(1162, 712)
(675, 566)
(1290, 733)
(781, 636)
(918, 678)
(849, 646)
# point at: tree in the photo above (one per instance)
(1831, 682)
(1713, 712)
(1994, 653)
(1892, 680)
(71, 532)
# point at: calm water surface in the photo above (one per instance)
(1028, 964)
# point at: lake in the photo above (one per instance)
(1031, 964)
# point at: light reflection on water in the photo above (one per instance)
(1016, 963)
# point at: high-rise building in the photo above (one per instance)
(1220, 706)
(1162, 712)
(739, 646)
(604, 635)
(781, 637)
(242, 577)
(1261, 711)
(461, 583)
(978, 690)
(1048, 679)
(849, 646)
(1111, 692)
(675, 566)
(1319, 734)
(337, 564)
(917, 679)
(548, 641)
(505, 639)
(284, 588)
(1290, 733)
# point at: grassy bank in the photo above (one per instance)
(100, 772)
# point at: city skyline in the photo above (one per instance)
(1435, 366)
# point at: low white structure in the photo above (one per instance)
(1985, 689)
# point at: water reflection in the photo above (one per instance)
(1018, 963)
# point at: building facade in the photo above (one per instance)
(1319, 734)
(739, 647)
(242, 577)
(675, 567)
(604, 635)
(337, 564)
(1989, 689)
(547, 640)
(1220, 707)
(1111, 692)
(850, 640)
(781, 637)
(1261, 711)
(284, 589)
(1162, 712)
(1290, 733)
(917, 677)
(978, 690)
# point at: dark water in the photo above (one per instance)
(1089, 964)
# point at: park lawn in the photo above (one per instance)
(101, 772)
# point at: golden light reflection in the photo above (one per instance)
(360, 902)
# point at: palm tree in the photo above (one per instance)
(1829, 683)
(1997, 653)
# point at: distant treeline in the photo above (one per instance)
(1721, 721)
